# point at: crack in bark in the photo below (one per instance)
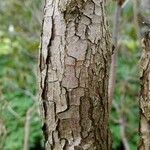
(79, 125)
(144, 100)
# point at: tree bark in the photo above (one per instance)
(74, 70)
(144, 101)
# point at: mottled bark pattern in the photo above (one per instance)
(74, 65)
(145, 95)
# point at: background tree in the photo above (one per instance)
(74, 69)
(144, 95)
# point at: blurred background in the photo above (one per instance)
(20, 124)
(20, 26)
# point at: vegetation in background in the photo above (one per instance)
(19, 42)
(124, 120)
(19, 36)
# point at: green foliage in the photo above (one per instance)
(127, 86)
(19, 36)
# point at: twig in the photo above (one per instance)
(112, 77)
(122, 126)
(122, 132)
(122, 120)
(122, 123)
(14, 113)
(3, 133)
(27, 127)
(136, 20)
(124, 4)
(11, 110)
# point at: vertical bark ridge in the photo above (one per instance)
(144, 100)
(74, 69)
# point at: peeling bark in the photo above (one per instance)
(144, 101)
(74, 70)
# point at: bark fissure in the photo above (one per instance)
(74, 69)
(144, 100)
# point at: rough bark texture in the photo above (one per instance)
(74, 66)
(145, 95)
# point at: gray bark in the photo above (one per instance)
(74, 70)
(144, 101)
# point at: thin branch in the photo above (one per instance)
(14, 113)
(122, 132)
(124, 4)
(122, 120)
(136, 19)
(112, 77)
(27, 127)
(11, 110)
(122, 125)
(3, 133)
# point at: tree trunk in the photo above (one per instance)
(74, 70)
(145, 95)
